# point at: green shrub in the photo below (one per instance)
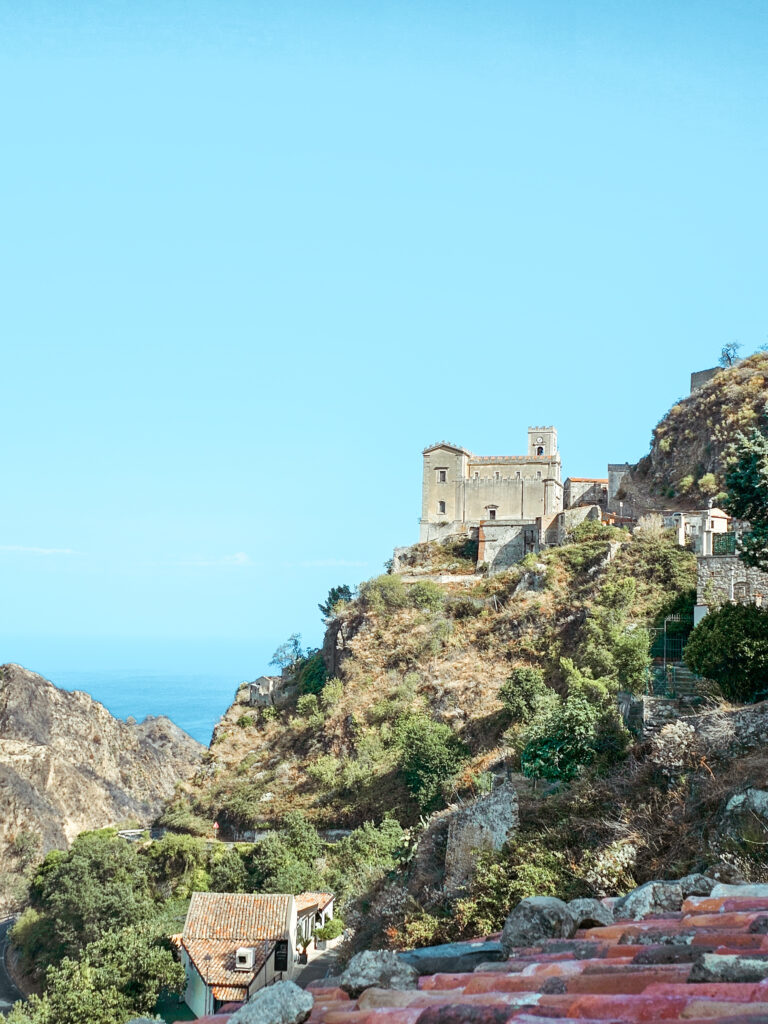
(331, 930)
(246, 721)
(582, 730)
(708, 484)
(464, 607)
(307, 706)
(178, 816)
(430, 754)
(730, 646)
(383, 594)
(325, 770)
(593, 529)
(524, 693)
(426, 595)
(268, 714)
(332, 693)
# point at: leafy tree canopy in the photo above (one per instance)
(747, 484)
(730, 646)
(336, 596)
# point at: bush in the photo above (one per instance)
(307, 706)
(426, 595)
(523, 694)
(325, 770)
(593, 529)
(331, 930)
(332, 693)
(246, 721)
(730, 646)
(430, 754)
(383, 594)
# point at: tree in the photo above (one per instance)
(100, 884)
(747, 484)
(336, 596)
(118, 977)
(730, 646)
(729, 354)
(288, 653)
(430, 754)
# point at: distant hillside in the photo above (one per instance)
(67, 765)
(685, 466)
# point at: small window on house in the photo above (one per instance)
(517, 474)
(441, 507)
(496, 475)
(441, 476)
(538, 474)
(540, 450)
(477, 476)
(491, 513)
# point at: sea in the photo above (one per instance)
(195, 702)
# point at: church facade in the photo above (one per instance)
(461, 490)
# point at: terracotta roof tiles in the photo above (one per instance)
(670, 968)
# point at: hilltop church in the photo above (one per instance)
(461, 490)
(512, 504)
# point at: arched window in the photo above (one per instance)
(540, 450)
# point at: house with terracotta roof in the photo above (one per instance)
(235, 943)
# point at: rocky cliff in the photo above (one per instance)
(66, 764)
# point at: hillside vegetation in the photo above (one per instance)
(422, 667)
(687, 461)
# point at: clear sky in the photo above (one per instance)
(256, 255)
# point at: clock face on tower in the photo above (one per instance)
(539, 440)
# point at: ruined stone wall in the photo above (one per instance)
(727, 578)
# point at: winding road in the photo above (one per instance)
(8, 991)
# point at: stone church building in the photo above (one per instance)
(461, 490)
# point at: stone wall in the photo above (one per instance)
(726, 578)
(485, 824)
(645, 716)
(503, 544)
(582, 491)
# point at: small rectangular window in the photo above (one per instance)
(442, 476)
(538, 475)
(496, 475)
(441, 507)
(517, 474)
(491, 513)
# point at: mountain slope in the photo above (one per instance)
(67, 765)
(686, 463)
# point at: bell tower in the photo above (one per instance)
(542, 442)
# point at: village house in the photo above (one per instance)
(234, 944)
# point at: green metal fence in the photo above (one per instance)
(724, 544)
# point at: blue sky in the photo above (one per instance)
(255, 256)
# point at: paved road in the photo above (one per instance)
(8, 991)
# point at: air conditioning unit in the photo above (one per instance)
(245, 958)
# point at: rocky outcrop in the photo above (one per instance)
(485, 824)
(66, 764)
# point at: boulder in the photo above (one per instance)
(535, 919)
(281, 1003)
(725, 873)
(380, 968)
(485, 824)
(590, 913)
(697, 885)
(651, 898)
